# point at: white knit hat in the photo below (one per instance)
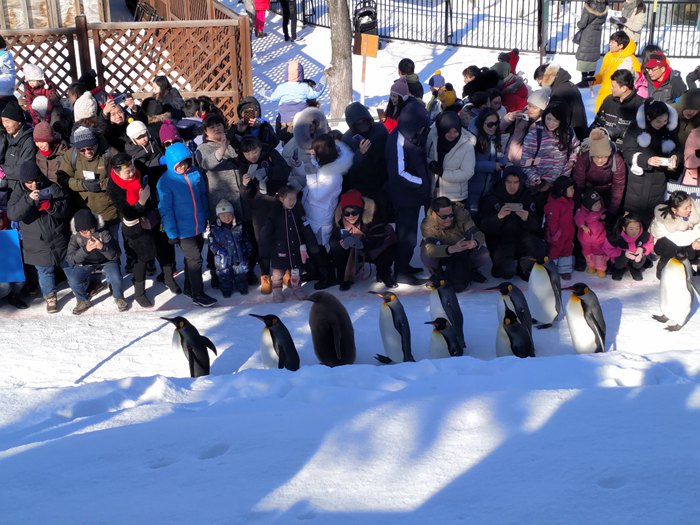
(41, 105)
(224, 206)
(540, 98)
(84, 107)
(136, 129)
(32, 72)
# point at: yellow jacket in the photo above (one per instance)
(623, 59)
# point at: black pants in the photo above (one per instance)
(407, 234)
(192, 250)
(514, 257)
(457, 269)
(289, 14)
(383, 261)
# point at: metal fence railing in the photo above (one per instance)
(530, 25)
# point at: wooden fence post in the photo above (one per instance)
(81, 33)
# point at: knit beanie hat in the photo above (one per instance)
(437, 80)
(560, 185)
(13, 112)
(447, 95)
(502, 68)
(168, 132)
(351, 199)
(85, 107)
(589, 198)
(599, 143)
(32, 72)
(29, 171)
(43, 132)
(540, 98)
(84, 220)
(136, 129)
(224, 206)
(400, 88)
(41, 105)
(84, 137)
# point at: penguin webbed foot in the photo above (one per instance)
(660, 318)
(543, 326)
(673, 328)
(383, 359)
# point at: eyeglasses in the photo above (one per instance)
(446, 217)
(351, 213)
(491, 124)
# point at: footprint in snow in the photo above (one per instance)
(214, 451)
(612, 482)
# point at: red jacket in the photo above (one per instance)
(591, 243)
(49, 91)
(559, 226)
(262, 5)
(608, 180)
(514, 93)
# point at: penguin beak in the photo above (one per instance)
(492, 288)
(430, 322)
(378, 294)
(168, 319)
(257, 316)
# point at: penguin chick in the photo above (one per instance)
(331, 330)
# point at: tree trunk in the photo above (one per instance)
(340, 72)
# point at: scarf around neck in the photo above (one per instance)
(131, 186)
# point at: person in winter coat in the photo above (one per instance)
(367, 140)
(435, 83)
(619, 109)
(691, 159)
(112, 124)
(566, 93)
(518, 124)
(232, 249)
(292, 96)
(250, 124)
(261, 7)
(514, 93)
(693, 78)
(620, 56)
(166, 94)
(450, 243)
(511, 224)
(489, 159)
(358, 237)
(653, 155)
(632, 19)
(559, 228)
(450, 157)
(409, 182)
(16, 144)
(36, 85)
(144, 150)
(50, 150)
(8, 75)
(676, 229)
(600, 166)
(590, 26)
(41, 208)
(628, 247)
(289, 19)
(308, 125)
(663, 83)
(590, 220)
(92, 247)
(688, 109)
(448, 99)
(407, 70)
(478, 79)
(398, 95)
(283, 230)
(184, 209)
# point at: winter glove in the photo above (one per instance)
(174, 242)
(92, 185)
(435, 168)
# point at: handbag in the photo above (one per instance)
(576, 39)
(150, 220)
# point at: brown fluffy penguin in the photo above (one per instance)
(331, 330)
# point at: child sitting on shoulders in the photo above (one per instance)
(231, 248)
(628, 246)
(559, 226)
(590, 219)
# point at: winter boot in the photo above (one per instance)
(265, 285)
(51, 304)
(169, 280)
(140, 295)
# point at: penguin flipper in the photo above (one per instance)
(206, 342)
(599, 331)
(544, 326)
(405, 332)
(660, 318)
(673, 328)
(383, 359)
(336, 343)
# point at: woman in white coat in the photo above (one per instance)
(450, 158)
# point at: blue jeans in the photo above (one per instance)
(79, 279)
(47, 283)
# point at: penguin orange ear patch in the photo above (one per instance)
(585, 290)
(181, 324)
(392, 297)
(506, 322)
(274, 322)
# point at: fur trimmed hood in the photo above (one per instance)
(302, 123)
(342, 164)
(98, 218)
(550, 75)
(644, 138)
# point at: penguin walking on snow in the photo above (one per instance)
(513, 337)
(584, 316)
(444, 303)
(513, 298)
(544, 293)
(676, 292)
(395, 330)
(444, 341)
(331, 330)
(276, 345)
(188, 339)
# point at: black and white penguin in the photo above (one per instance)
(513, 298)
(188, 339)
(676, 292)
(513, 337)
(331, 330)
(444, 341)
(544, 293)
(584, 316)
(444, 303)
(276, 345)
(395, 330)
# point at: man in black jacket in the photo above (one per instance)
(619, 109)
(663, 83)
(17, 144)
(565, 92)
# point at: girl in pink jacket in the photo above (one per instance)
(590, 219)
(628, 246)
(559, 225)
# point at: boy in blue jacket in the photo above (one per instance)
(183, 207)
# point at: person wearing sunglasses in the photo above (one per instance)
(489, 156)
(450, 243)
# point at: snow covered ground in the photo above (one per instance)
(99, 422)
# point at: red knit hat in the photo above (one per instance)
(351, 199)
(43, 132)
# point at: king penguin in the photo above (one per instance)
(676, 293)
(513, 337)
(276, 345)
(444, 341)
(584, 316)
(188, 339)
(395, 330)
(331, 330)
(444, 303)
(544, 293)
(513, 298)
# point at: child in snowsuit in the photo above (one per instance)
(590, 219)
(35, 86)
(628, 246)
(559, 226)
(231, 248)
